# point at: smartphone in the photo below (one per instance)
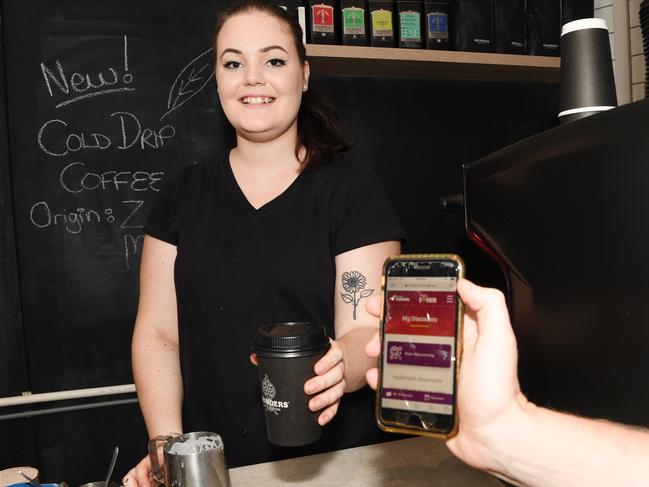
(420, 350)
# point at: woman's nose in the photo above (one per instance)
(254, 75)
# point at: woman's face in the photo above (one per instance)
(259, 76)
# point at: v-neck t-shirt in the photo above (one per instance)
(238, 268)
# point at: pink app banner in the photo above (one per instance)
(421, 354)
(421, 313)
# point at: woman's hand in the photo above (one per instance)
(328, 385)
(329, 382)
(140, 475)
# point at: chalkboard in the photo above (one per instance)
(104, 100)
(103, 103)
(11, 343)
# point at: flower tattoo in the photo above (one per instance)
(353, 282)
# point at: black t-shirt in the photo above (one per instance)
(238, 268)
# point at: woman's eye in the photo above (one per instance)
(277, 62)
(232, 65)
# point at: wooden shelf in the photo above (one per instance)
(421, 63)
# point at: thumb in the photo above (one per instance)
(373, 305)
(487, 306)
(373, 347)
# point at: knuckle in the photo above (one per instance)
(342, 372)
(336, 377)
(497, 295)
(330, 363)
(141, 476)
(325, 383)
(330, 396)
(323, 399)
(323, 364)
(338, 350)
(312, 386)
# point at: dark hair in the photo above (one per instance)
(318, 129)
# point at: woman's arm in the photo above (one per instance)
(358, 276)
(156, 367)
(343, 368)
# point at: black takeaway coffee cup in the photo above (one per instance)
(587, 83)
(286, 354)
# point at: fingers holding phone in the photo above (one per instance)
(373, 350)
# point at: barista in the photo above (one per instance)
(284, 226)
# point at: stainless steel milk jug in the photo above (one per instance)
(190, 460)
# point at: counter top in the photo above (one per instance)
(403, 463)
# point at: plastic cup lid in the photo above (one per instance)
(583, 24)
(290, 337)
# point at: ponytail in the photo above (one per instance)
(318, 129)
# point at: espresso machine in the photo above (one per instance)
(566, 215)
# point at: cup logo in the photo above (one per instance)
(268, 392)
(268, 388)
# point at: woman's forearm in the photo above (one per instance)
(356, 361)
(156, 370)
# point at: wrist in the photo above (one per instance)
(507, 436)
(489, 443)
(356, 363)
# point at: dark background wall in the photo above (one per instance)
(70, 256)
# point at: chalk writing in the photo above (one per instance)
(137, 205)
(128, 77)
(75, 179)
(190, 81)
(42, 216)
(81, 86)
(148, 138)
(121, 130)
(73, 142)
(53, 137)
(132, 247)
(73, 222)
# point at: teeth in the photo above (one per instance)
(257, 100)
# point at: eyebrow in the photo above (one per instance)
(263, 49)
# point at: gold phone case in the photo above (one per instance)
(392, 427)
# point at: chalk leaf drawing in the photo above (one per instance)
(190, 81)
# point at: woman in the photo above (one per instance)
(284, 227)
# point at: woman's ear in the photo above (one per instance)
(306, 73)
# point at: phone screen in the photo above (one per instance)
(419, 344)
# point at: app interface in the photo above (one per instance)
(419, 345)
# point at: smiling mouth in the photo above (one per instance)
(257, 100)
